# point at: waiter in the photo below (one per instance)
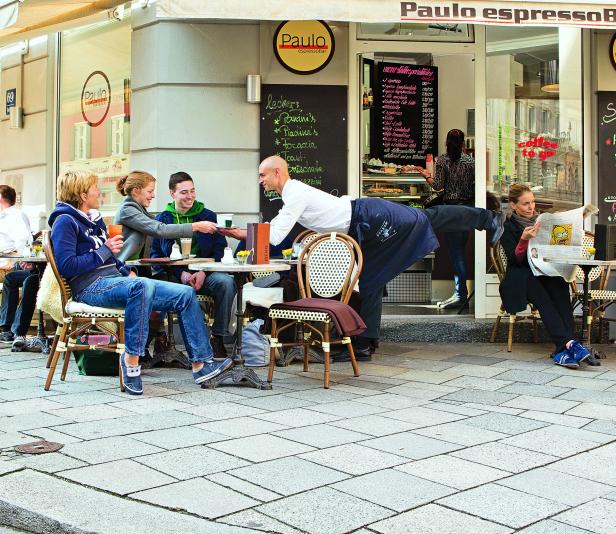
(391, 236)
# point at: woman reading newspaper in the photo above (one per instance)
(549, 294)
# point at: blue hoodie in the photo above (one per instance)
(79, 247)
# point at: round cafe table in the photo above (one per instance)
(239, 372)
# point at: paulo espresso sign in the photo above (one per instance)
(304, 46)
(95, 98)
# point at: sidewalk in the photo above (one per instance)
(434, 438)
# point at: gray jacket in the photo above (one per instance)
(138, 224)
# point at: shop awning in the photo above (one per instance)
(25, 19)
(563, 13)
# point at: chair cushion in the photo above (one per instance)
(79, 308)
(300, 315)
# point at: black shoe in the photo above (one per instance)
(344, 356)
(218, 346)
(497, 227)
(7, 337)
(592, 360)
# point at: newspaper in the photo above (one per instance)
(560, 234)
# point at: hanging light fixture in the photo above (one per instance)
(549, 76)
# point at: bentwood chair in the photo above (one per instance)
(80, 319)
(327, 270)
(499, 263)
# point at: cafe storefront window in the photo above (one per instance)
(534, 113)
(94, 129)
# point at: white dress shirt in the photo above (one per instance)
(312, 208)
(14, 230)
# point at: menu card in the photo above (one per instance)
(407, 113)
(606, 110)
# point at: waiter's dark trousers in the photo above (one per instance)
(370, 311)
(458, 218)
(550, 295)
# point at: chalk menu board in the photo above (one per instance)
(606, 143)
(407, 113)
(306, 125)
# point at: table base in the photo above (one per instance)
(167, 358)
(297, 353)
(42, 342)
(238, 373)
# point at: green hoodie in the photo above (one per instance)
(188, 217)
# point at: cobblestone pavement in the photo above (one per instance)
(431, 438)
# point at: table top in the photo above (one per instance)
(580, 261)
(239, 268)
(170, 263)
(29, 259)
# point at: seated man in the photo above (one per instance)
(15, 315)
(86, 257)
(220, 286)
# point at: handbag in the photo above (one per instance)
(436, 198)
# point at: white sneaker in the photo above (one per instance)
(443, 303)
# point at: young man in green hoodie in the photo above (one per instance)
(185, 208)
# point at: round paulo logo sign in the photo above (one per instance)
(304, 46)
(95, 98)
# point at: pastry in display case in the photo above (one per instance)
(401, 183)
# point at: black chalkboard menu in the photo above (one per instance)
(406, 121)
(606, 143)
(306, 125)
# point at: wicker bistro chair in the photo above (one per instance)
(499, 263)
(328, 268)
(79, 319)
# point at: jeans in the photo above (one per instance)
(221, 287)
(458, 218)
(139, 296)
(16, 315)
(457, 248)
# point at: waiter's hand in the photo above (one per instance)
(235, 233)
(205, 227)
(115, 243)
(530, 231)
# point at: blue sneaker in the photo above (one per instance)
(565, 359)
(131, 376)
(579, 351)
(211, 369)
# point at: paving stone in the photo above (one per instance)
(98, 451)
(391, 401)
(14, 438)
(224, 410)
(506, 457)
(9, 467)
(26, 421)
(296, 417)
(611, 496)
(354, 459)
(480, 371)
(594, 411)
(122, 476)
(431, 377)
(261, 448)
(411, 445)
(474, 360)
(500, 422)
(542, 404)
(289, 475)
(347, 409)
(597, 516)
(190, 462)
(324, 511)
(589, 465)
(478, 396)
(151, 405)
(321, 436)
(244, 487)
(503, 505)
(130, 424)
(453, 408)
(260, 522)
(529, 377)
(197, 496)
(549, 526)
(490, 408)
(204, 397)
(606, 398)
(393, 489)
(556, 418)
(86, 398)
(556, 486)
(425, 365)
(94, 412)
(275, 402)
(374, 425)
(521, 365)
(452, 471)
(421, 390)
(460, 433)
(176, 438)
(559, 440)
(241, 427)
(355, 390)
(435, 519)
(534, 390)
(51, 435)
(578, 382)
(420, 417)
(474, 382)
(607, 427)
(49, 463)
(322, 395)
(28, 406)
(45, 503)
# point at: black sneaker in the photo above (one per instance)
(497, 226)
(19, 344)
(218, 346)
(7, 337)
